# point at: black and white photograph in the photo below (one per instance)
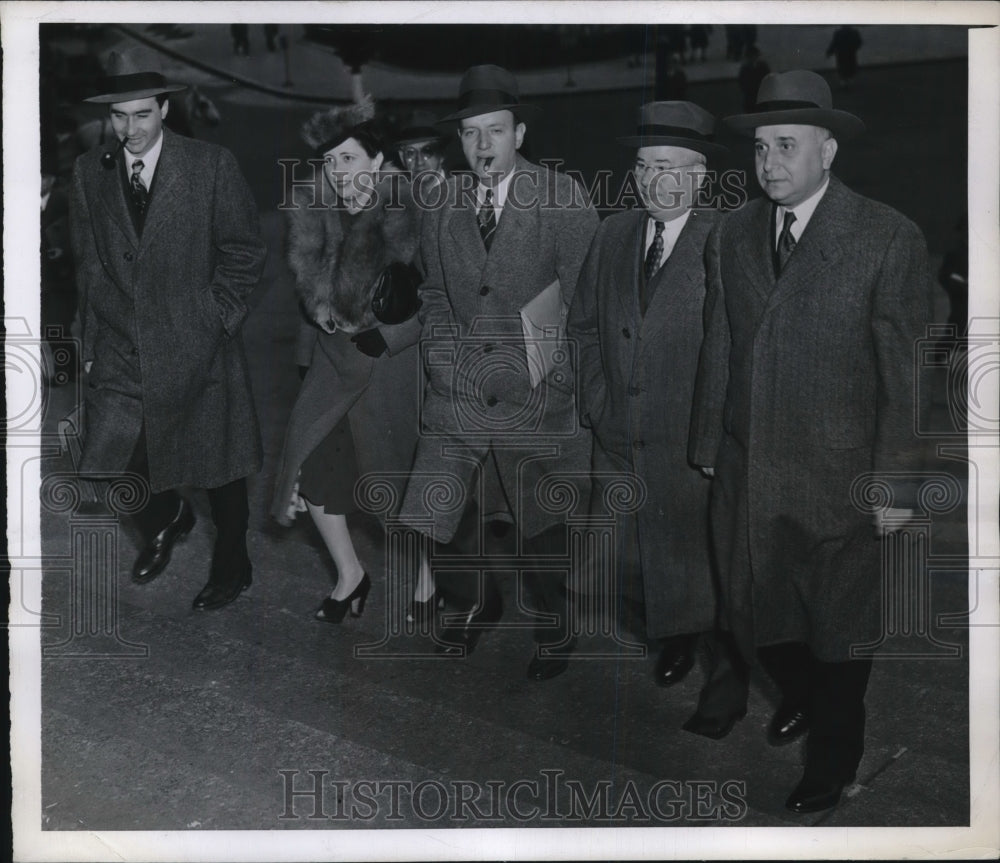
(502, 431)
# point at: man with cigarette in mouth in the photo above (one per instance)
(499, 413)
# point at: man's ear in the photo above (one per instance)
(378, 160)
(164, 108)
(519, 131)
(828, 151)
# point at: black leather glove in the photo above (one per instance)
(370, 342)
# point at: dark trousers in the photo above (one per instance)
(832, 692)
(546, 589)
(229, 504)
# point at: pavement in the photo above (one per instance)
(156, 717)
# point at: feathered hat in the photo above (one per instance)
(324, 129)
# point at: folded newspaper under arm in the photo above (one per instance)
(543, 321)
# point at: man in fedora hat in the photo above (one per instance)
(806, 385)
(502, 256)
(168, 249)
(637, 321)
(421, 152)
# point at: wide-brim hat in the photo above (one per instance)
(485, 89)
(128, 78)
(800, 98)
(420, 127)
(675, 124)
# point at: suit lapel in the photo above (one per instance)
(626, 263)
(820, 244)
(464, 230)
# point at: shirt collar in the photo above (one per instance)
(499, 191)
(803, 211)
(149, 160)
(671, 230)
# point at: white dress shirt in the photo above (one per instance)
(149, 161)
(803, 213)
(671, 231)
(499, 195)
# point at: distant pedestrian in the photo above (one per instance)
(698, 37)
(671, 82)
(734, 42)
(271, 37)
(753, 70)
(241, 39)
(844, 46)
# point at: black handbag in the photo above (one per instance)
(394, 299)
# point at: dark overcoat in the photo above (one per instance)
(637, 376)
(806, 383)
(335, 276)
(162, 313)
(479, 397)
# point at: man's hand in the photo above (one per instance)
(370, 342)
(892, 519)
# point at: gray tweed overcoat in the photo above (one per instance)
(479, 408)
(637, 376)
(806, 383)
(162, 314)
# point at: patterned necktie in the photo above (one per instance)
(140, 194)
(655, 253)
(487, 220)
(786, 243)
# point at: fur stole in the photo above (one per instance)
(334, 276)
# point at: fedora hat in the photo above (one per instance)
(419, 128)
(799, 97)
(127, 79)
(675, 124)
(485, 89)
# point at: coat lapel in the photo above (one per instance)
(627, 256)
(820, 244)
(464, 230)
(112, 197)
(754, 250)
(682, 270)
(167, 182)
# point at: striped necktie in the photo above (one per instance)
(487, 218)
(140, 194)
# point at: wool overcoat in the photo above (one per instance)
(806, 383)
(334, 276)
(637, 377)
(162, 312)
(479, 399)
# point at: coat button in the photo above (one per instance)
(491, 401)
(484, 290)
(638, 444)
(134, 352)
(488, 349)
(634, 391)
(626, 333)
(128, 257)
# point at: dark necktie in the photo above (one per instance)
(653, 257)
(140, 194)
(786, 243)
(487, 220)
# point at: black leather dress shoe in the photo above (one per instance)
(550, 665)
(790, 722)
(715, 727)
(676, 660)
(219, 592)
(461, 639)
(815, 794)
(153, 559)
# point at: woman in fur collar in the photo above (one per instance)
(357, 410)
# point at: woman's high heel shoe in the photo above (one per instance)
(333, 610)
